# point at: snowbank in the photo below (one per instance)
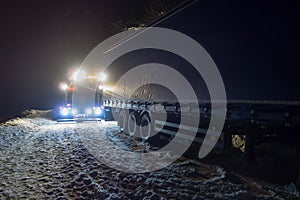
(47, 114)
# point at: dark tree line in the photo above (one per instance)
(154, 10)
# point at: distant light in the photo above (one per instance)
(102, 77)
(105, 88)
(88, 111)
(97, 111)
(92, 77)
(64, 111)
(74, 111)
(63, 86)
(78, 75)
(75, 75)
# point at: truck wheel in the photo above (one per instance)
(122, 120)
(132, 124)
(145, 127)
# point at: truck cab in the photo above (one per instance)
(82, 100)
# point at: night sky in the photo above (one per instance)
(41, 40)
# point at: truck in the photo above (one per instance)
(80, 109)
(255, 57)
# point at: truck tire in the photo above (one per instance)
(132, 124)
(145, 127)
(122, 120)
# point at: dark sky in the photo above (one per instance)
(254, 43)
(41, 40)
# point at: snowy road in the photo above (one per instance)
(40, 159)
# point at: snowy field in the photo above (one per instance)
(42, 159)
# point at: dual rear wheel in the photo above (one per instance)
(134, 124)
(145, 127)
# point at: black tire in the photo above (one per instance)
(145, 127)
(132, 124)
(122, 120)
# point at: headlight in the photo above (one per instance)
(64, 111)
(75, 75)
(63, 86)
(97, 111)
(88, 111)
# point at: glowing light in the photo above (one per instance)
(92, 77)
(88, 111)
(102, 77)
(64, 111)
(105, 88)
(74, 111)
(75, 75)
(97, 111)
(63, 86)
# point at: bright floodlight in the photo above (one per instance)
(102, 77)
(97, 111)
(79, 74)
(63, 86)
(64, 112)
(75, 75)
(105, 88)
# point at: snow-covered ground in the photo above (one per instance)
(42, 159)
